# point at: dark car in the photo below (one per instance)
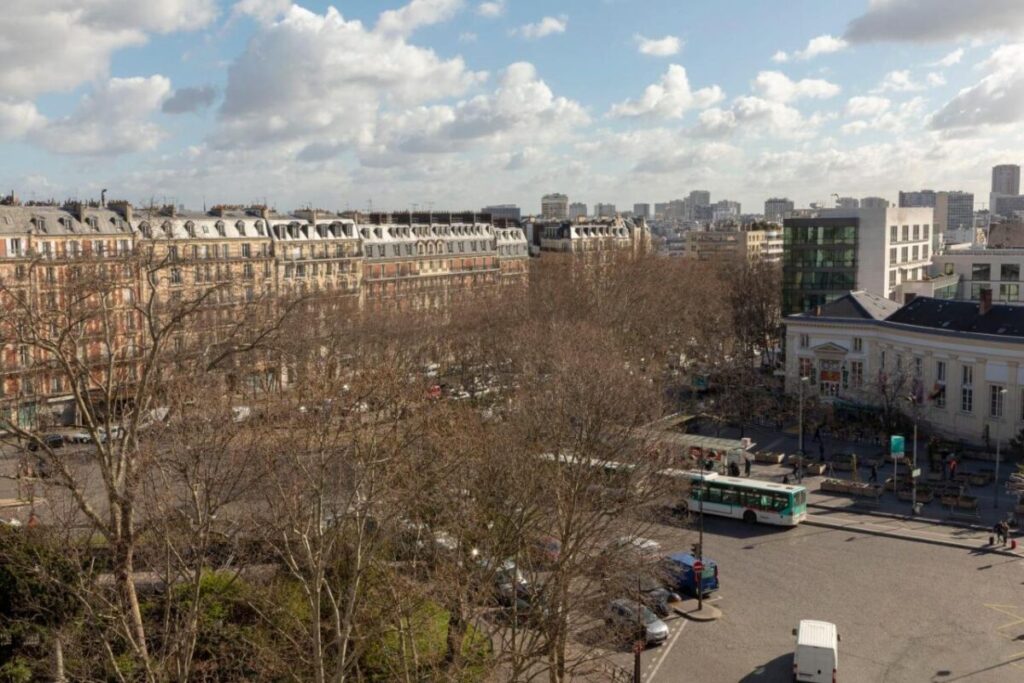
(51, 440)
(656, 595)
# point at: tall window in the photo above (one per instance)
(967, 389)
(939, 393)
(858, 345)
(805, 341)
(995, 400)
(917, 232)
(906, 233)
(857, 374)
(918, 367)
(246, 250)
(981, 271)
(807, 368)
(893, 233)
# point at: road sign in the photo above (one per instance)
(896, 445)
(915, 473)
(698, 568)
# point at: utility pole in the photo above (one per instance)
(800, 455)
(995, 499)
(638, 645)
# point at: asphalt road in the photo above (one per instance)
(906, 611)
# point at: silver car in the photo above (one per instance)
(628, 616)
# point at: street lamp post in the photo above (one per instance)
(800, 454)
(995, 498)
(913, 479)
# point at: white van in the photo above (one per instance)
(817, 652)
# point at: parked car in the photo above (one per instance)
(545, 551)
(628, 616)
(679, 568)
(51, 440)
(78, 436)
(816, 657)
(656, 595)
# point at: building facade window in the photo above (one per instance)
(939, 392)
(967, 389)
(906, 233)
(807, 368)
(981, 271)
(1009, 292)
(1009, 272)
(893, 233)
(805, 341)
(857, 374)
(995, 400)
(858, 345)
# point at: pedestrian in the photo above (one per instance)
(952, 468)
(1004, 532)
(873, 478)
(817, 433)
(785, 478)
(746, 466)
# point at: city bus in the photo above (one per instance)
(747, 499)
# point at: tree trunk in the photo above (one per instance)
(58, 659)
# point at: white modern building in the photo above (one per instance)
(962, 362)
(977, 269)
(834, 251)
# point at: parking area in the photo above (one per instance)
(906, 611)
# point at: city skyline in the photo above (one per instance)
(465, 104)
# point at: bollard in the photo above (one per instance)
(1013, 544)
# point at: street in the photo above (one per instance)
(906, 611)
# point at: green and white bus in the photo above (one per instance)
(747, 499)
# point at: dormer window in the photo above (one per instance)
(240, 227)
(168, 230)
(146, 231)
(259, 228)
(220, 228)
(206, 229)
(190, 228)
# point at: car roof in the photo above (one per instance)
(814, 633)
(688, 559)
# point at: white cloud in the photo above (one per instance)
(491, 9)
(775, 85)
(18, 118)
(670, 98)
(185, 100)
(264, 11)
(899, 81)
(935, 79)
(545, 27)
(113, 119)
(56, 45)
(521, 110)
(658, 47)
(342, 74)
(997, 99)
(864, 106)
(951, 59)
(468, 37)
(878, 115)
(935, 20)
(417, 13)
(822, 45)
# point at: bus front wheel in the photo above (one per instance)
(750, 517)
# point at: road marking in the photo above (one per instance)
(668, 648)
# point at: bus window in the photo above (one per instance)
(801, 497)
(730, 496)
(714, 495)
(780, 501)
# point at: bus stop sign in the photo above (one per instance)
(896, 445)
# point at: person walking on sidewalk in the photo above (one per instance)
(1004, 531)
(873, 478)
(952, 468)
(746, 465)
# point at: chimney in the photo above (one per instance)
(985, 302)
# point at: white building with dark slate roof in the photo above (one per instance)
(962, 361)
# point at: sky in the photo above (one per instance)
(457, 104)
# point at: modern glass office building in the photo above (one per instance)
(819, 262)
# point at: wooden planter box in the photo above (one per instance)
(980, 479)
(768, 458)
(814, 469)
(924, 496)
(865, 490)
(834, 486)
(961, 502)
